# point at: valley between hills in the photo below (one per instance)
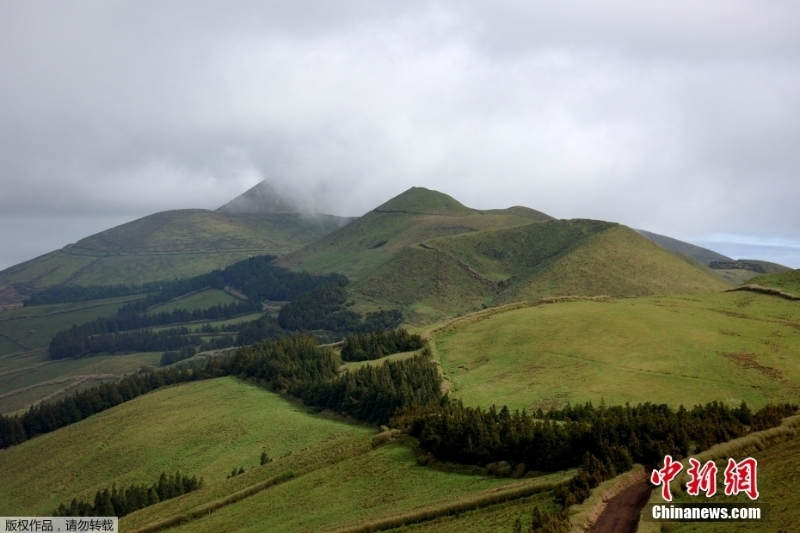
(424, 367)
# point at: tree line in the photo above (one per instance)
(295, 364)
(373, 393)
(377, 344)
(326, 308)
(45, 418)
(560, 439)
(114, 502)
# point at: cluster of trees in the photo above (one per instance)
(113, 502)
(368, 346)
(320, 308)
(76, 343)
(259, 330)
(44, 418)
(304, 369)
(116, 334)
(561, 438)
(326, 308)
(374, 393)
(170, 357)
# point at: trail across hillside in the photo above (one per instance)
(621, 515)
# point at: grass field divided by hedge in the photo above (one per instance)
(32, 327)
(202, 428)
(730, 347)
(383, 483)
(38, 378)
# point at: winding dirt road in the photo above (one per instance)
(621, 515)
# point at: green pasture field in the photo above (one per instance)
(778, 472)
(197, 326)
(141, 267)
(729, 347)
(355, 365)
(204, 428)
(384, 482)
(30, 378)
(34, 327)
(499, 518)
(201, 300)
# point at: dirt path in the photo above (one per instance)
(621, 515)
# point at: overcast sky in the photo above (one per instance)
(679, 117)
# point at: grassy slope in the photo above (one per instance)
(778, 472)
(33, 377)
(163, 246)
(356, 248)
(200, 300)
(204, 428)
(411, 217)
(31, 328)
(646, 349)
(453, 275)
(620, 263)
(383, 482)
(787, 281)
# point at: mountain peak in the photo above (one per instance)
(263, 198)
(422, 201)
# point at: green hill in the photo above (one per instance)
(205, 428)
(453, 275)
(165, 245)
(333, 474)
(422, 201)
(412, 217)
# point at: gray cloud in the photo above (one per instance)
(677, 117)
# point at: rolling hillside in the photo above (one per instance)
(412, 217)
(453, 275)
(164, 246)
